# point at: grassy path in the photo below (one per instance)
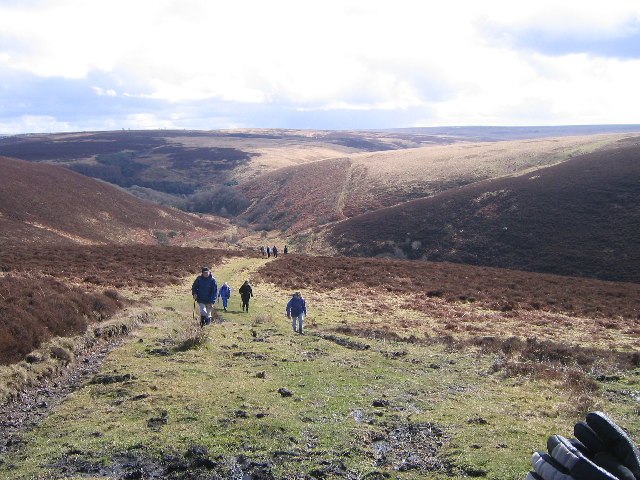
(355, 408)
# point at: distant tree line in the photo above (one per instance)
(220, 200)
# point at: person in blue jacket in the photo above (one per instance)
(224, 294)
(204, 291)
(296, 310)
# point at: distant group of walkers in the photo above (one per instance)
(268, 251)
(205, 293)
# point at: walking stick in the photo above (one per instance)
(194, 313)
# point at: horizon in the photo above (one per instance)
(71, 66)
(615, 127)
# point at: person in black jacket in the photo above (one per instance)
(245, 293)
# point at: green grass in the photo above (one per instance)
(212, 395)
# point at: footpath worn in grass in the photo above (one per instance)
(249, 397)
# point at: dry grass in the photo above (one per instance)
(557, 329)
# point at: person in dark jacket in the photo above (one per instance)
(286, 249)
(274, 250)
(245, 294)
(205, 291)
(224, 294)
(296, 310)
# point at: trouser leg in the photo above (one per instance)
(300, 322)
(205, 311)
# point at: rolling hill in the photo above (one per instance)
(303, 196)
(48, 204)
(580, 217)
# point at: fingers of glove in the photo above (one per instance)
(547, 468)
(533, 476)
(616, 440)
(581, 447)
(579, 466)
(588, 437)
(613, 465)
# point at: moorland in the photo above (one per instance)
(469, 291)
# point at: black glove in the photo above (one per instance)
(565, 461)
(611, 447)
(602, 451)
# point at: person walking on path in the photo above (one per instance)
(224, 294)
(262, 252)
(275, 251)
(268, 252)
(296, 310)
(204, 291)
(286, 249)
(246, 293)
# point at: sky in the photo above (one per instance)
(77, 65)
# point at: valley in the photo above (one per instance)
(469, 293)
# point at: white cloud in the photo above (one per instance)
(445, 57)
(34, 124)
(102, 92)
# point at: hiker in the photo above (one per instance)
(268, 252)
(601, 450)
(204, 291)
(245, 294)
(296, 310)
(274, 249)
(224, 294)
(262, 252)
(286, 250)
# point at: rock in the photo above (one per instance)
(285, 392)
(477, 421)
(261, 375)
(380, 403)
(241, 414)
(33, 358)
(197, 451)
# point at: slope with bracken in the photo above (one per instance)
(580, 217)
(315, 193)
(42, 203)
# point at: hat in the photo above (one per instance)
(205, 269)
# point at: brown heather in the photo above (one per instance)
(501, 290)
(37, 303)
(34, 309)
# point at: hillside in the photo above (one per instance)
(580, 217)
(404, 372)
(42, 203)
(181, 162)
(303, 196)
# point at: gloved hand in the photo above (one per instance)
(602, 451)
(565, 461)
(610, 446)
